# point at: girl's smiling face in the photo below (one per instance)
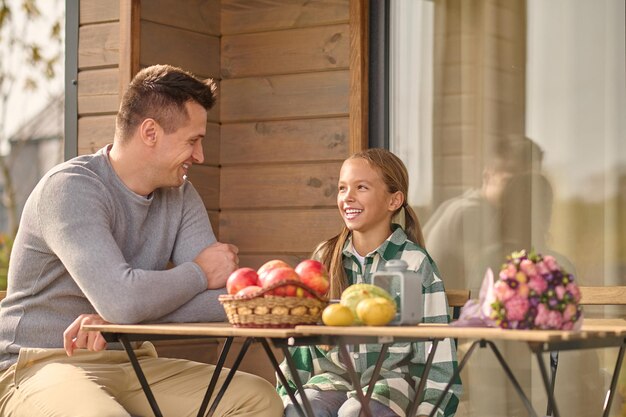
(363, 199)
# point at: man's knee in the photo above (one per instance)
(60, 390)
(256, 393)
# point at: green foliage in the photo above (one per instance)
(31, 52)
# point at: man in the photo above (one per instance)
(461, 227)
(96, 237)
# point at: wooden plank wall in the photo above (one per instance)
(285, 94)
(281, 128)
(189, 37)
(98, 73)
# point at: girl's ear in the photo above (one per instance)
(397, 200)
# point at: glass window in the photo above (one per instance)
(510, 116)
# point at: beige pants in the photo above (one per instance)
(46, 382)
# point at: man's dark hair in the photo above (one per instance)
(160, 92)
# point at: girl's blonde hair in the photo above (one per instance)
(396, 178)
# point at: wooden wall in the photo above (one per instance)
(98, 73)
(189, 37)
(283, 123)
(285, 95)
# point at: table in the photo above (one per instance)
(599, 333)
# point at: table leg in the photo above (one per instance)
(376, 371)
(455, 375)
(297, 381)
(422, 385)
(281, 377)
(140, 375)
(365, 406)
(618, 367)
(230, 375)
(512, 378)
(216, 373)
(554, 363)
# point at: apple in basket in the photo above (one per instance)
(241, 278)
(277, 275)
(248, 291)
(268, 266)
(314, 274)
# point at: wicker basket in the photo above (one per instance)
(261, 310)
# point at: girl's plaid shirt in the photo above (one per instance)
(404, 363)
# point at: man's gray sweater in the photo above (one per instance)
(88, 244)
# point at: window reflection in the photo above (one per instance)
(510, 118)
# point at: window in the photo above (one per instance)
(510, 116)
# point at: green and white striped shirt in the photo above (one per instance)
(404, 362)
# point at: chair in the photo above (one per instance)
(457, 299)
(598, 296)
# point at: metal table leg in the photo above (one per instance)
(140, 375)
(512, 378)
(422, 385)
(297, 381)
(618, 367)
(554, 363)
(455, 375)
(216, 373)
(365, 406)
(281, 377)
(230, 375)
(376, 371)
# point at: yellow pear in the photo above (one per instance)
(376, 311)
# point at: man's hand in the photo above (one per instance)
(75, 338)
(218, 261)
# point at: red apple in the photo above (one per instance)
(268, 266)
(241, 278)
(314, 274)
(282, 274)
(251, 290)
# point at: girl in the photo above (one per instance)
(371, 196)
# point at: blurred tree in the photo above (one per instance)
(31, 52)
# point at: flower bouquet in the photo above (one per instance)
(533, 292)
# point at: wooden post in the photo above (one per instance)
(359, 59)
(129, 42)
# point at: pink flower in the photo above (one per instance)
(569, 312)
(542, 315)
(555, 319)
(573, 289)
(551, 263)
(542, 268)
(528, 267)
(548, 319)
(535, 288)
(508, 272)
(538, 284)
(516, 308)
(502, 291)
